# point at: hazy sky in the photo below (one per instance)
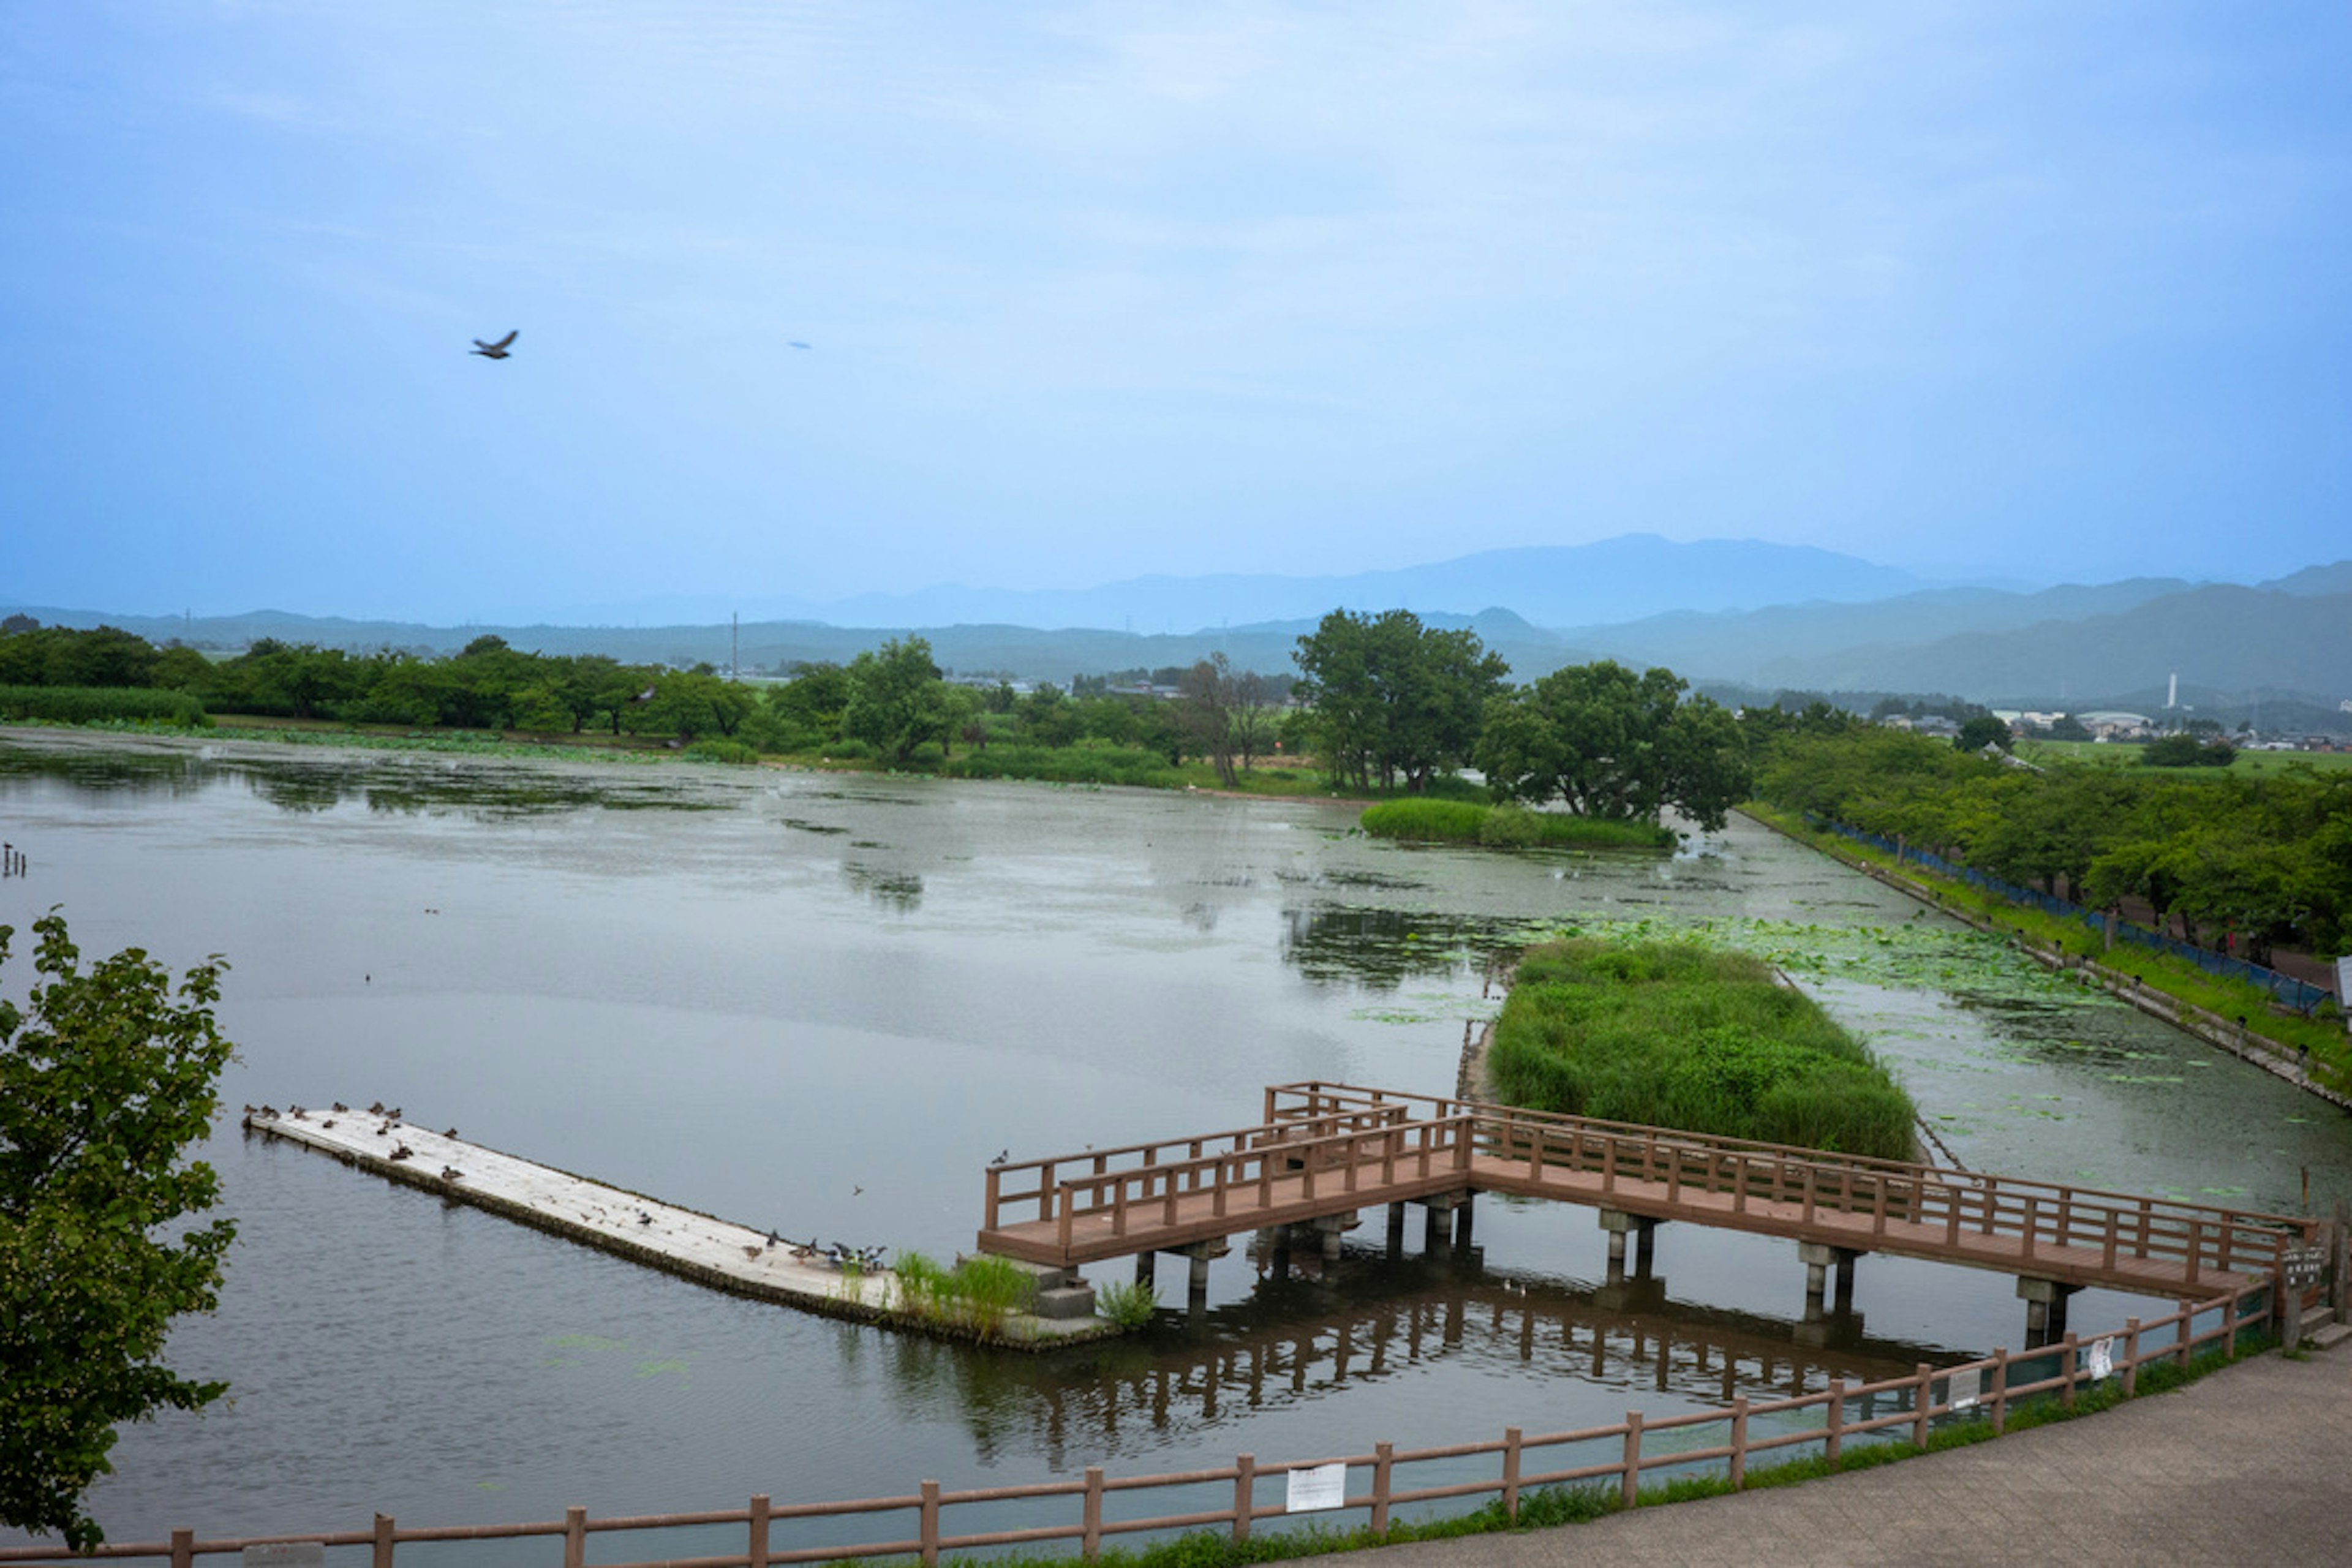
(2036, 290)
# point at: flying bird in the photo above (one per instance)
(493, 351)
(798, 344)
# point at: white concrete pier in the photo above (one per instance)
(709, 1251)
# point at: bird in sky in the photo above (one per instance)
(494, 350)
(798, 344)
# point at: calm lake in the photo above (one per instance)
(823, 1004)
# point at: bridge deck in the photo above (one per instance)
(1329, 1150)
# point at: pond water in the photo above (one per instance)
(824, 1003)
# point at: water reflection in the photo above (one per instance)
(1313, 1335)
(1350, 944)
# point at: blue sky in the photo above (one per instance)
(2036, 290)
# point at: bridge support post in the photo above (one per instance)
(1146, 1265)
(2046, 1309)
(1819, 1257)
(1196, 1295)
(1643, 1230)
(1441, 1207)
(1462, 1213)
(1330, 1227)
(1396, 1231)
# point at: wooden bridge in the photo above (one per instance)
(1322, 1151)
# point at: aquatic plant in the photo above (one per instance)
(1677, 1034)
(1129, 1304)
(1506, 826)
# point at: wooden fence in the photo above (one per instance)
(1617, 1458)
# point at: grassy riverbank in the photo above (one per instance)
(1675, 1033)
(1506, 827)
(1084, 764)
(2185, 983)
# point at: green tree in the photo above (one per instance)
(1615, 745)
(1979, 733)
(897, 700)
(1208, 702)
(1395, 700)
(105, 1080)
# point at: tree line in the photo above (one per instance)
(1386, 703)
(2267, 859)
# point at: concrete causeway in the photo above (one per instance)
(709, 1251)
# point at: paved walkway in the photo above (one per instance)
(2251, 1464)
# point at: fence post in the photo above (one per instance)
(927, 1534)
(2069, 1363)
(1922, 1406)
(183, 1548)
(1510, 1472)
(1740, 1443)
(2180, 1353)
(383, 1542)
(1384, 1458)
(757, 1548)
(2131, 1357)
(1631, 1488)
(576, 1538)
(2000, 1391)
(1090, 1541)
(1244, 1494)
(1836, 1422)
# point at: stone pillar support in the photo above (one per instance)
(2045, 1308)
(1819, 1257)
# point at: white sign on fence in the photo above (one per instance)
(1963, 1389)
(1319, 1487)
(2103, 1358)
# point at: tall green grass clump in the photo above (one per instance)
(977, 1297)
(1506, 827)
(1675, 1033)
(1068, 765)
(100, 704)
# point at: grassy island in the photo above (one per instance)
(1508, 826)
(1672, 1034)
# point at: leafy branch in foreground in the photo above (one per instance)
(105, 1079)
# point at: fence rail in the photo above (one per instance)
(1828, 1421)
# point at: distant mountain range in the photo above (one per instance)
(1763, 617)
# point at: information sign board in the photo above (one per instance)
(2303, 1266)
(1317, 1488)
(1964, 1389)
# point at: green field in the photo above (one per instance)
(2110, 754)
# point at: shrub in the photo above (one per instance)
(98, 704)
(1129, 1304)
(722, 751)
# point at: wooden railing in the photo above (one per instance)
(1042, 1182)
(1618, 1454)
(2039, 1214)
(1369, 1162)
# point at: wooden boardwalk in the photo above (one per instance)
(1324, 1149)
